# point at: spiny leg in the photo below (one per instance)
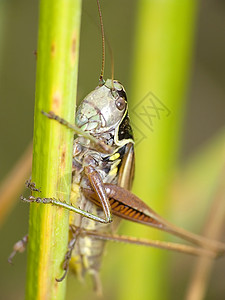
(99, 189)
(68, 255)
(53, 201)
(20, 247)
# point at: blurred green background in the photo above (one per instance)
(204, 118)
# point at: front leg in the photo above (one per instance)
(102, 146)
(69, 207)
(99, 189)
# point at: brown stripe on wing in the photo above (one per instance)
(122, 210)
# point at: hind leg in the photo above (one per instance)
(72, 242)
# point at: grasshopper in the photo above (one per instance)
(102, 176)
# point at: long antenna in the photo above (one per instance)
(101, 80)
(112, 62)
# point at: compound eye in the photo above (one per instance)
(120, 103)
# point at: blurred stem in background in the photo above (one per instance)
(14, 182)
(200, 184)
(56, 84)
(163, 47)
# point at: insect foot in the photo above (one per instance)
(32, 186)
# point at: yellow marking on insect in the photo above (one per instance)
(85, 262)
(114, 205)
(75, 193)
(141, 217)
(87, 249)
(76, 266)
(75, 190)
(124, 209)
(114, 156)
(131, 213)
(128, 211)
(137, 215)
(113, 172)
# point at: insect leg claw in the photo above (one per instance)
(64, 275)
(32, 186)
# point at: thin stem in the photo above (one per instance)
(213, 229)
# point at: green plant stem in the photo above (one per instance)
(163, 43)
(56, 82)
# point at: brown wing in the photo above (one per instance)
(126, 205)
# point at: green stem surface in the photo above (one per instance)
(56, 83)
